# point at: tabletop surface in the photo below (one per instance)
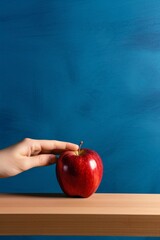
(98, 215)
(141, 204)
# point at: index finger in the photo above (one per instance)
(59, 146)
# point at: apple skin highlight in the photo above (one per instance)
(79, 173)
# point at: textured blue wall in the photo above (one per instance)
(83, 70)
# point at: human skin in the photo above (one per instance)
(30, 153)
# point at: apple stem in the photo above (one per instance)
(80, 145)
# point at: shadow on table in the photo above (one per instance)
(39, 195)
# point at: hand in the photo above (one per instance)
(31, 153)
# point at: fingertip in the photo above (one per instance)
(52, 159)
(73, 146)
(76, 147)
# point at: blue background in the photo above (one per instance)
(83, 70)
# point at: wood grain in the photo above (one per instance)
(99, 215)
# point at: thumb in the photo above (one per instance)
(42, 160)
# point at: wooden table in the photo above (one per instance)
(99, 215)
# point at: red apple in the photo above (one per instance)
(79, 173)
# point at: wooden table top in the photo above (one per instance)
(98, 215)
